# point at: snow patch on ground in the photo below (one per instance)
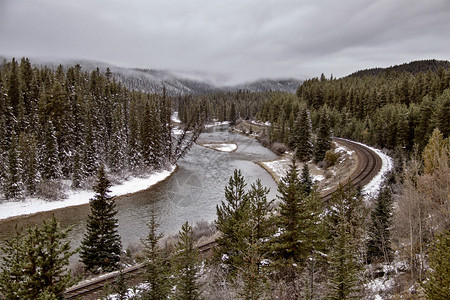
(380, 285)
(278, 167)
(342, 149)
(317, 177)
(221, 147)
(77, 197)
(217, 124)
(175, 118)
(260, 123)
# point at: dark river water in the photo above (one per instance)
(190, 194)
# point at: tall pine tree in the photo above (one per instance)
(298, 222)
(35, 263)
(300, 139)
(157, 264)
(437, 284)
(232, 216)
(101, 246)
(379, 243)
(345, 226)
(323, 140)
(186, 264)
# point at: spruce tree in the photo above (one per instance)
(300, 139)
(437, 284)
(77, 171)
(101, 246)
(28, 157)
(232, 216)
(305, 180)
(186, 264)
(379, 243)
(51, 168)
(14, 93)
(13, 187)
(345, 226)
(233, 114)
(260, 210)
(35, 263)
(323, 140)
(157, 264)
(298, 221)
(90, 159)
(250, 271)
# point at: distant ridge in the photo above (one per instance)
(413, 67)
(175, 84)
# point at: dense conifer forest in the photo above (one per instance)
(64, 123)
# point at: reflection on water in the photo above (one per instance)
(191, 194)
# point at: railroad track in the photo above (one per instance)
(369, 164)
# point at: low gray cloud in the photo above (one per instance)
(240, 40)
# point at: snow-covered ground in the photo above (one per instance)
(76, 197)
(222, 147)
(278, 167)
(267, 123)
(217, 124)
(175, 118)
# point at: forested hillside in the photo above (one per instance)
(414, 67)
(64, 124)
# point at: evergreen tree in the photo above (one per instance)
(250, 270)
(157, 264)
(51, 168)
(345, 222)
(13, 187)
(437, 284)
(101, 246)
(233, 115)
(232, 216)
(379, 243)
(300, 139)
(298, 222)
(306, 180)
(77, 171)
(28, 157)
(117, 153)
(90, 159)
(323, 140)
(441, 116)
(434, 151)
(186, 264)
(260, 211)
(35, 263)
(14, 93)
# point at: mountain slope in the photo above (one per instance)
(413, 67)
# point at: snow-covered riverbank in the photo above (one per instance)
(224, 147)
(78, 197)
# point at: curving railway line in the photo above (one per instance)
(369, 164)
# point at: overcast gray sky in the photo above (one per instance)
(242, 40)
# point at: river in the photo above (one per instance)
(190, 194)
